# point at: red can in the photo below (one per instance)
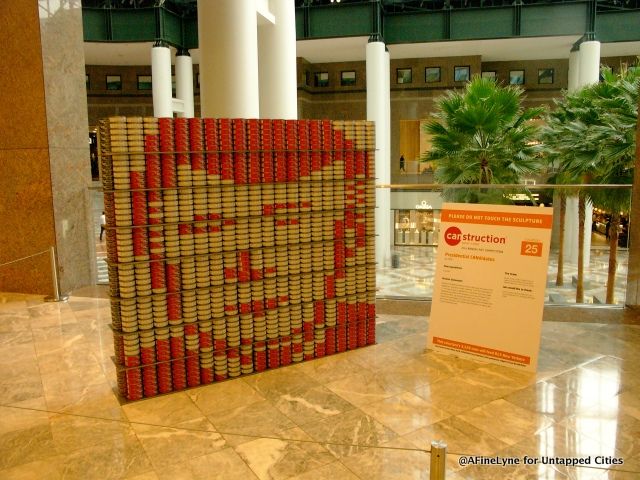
(178, 371)
(260, 360)
(173, 277)
(285, 355)
(205, 339)
(140, 241)
(165, 382)
(149, 381)
(330, 341)
(371, 334)
(193, 371)
(206, 375)
(157, 275)
(271, 303)
(329, 286)
(134, 384)
(273, 356)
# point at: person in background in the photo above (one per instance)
(402, 163)
(103, 222)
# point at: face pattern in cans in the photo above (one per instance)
(253, 245)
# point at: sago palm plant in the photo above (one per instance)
(590, 137)
(482, 135)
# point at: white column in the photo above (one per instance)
(589, 63)
(571, 213)
(386, 161)
(184, 82)
(277, 64)
(387, 89)
(589, 74)
(574, 70)
(161, 81)
(378, 111)
(228, 42)
(571, 230)
(584, 69)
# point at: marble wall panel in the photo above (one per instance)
(67, 124)
(44, 166)
(72, 216)
(25, 186)
(27, 220)
(23, 121)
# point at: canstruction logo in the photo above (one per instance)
(453, 236)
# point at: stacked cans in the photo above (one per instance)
(236, 246)
(157, 255)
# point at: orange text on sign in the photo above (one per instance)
(480, 350)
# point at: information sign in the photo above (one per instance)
(490, 280)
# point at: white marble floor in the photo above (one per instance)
(366, 414)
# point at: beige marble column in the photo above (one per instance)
(44, 166)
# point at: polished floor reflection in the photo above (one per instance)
(366, 414)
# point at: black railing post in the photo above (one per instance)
(159, 27)
(517, 18)
(591, 21)
(109, 23)
(377, 25)
(306, 24)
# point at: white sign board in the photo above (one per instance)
(490, 280)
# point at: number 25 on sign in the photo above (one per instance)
(531, 249)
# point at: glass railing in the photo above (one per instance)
(415, 218)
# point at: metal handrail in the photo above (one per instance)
(57, 296)
(500, 186)
(23, 258)
(440, 186)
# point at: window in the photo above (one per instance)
(461, 74)
(114, 82)
(321, 79)
(404, 75)
(545, 75)
(144, 82)
(348, 78)
(432, 74)
(516, 77)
